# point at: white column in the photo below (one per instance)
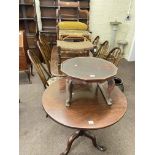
(115, 26)
(38, 12)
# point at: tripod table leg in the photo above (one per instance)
(93, 138)
(70, 141)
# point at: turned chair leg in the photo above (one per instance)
(31, 69)
(47, 115)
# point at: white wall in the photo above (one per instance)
(132, 53)
(102, 12)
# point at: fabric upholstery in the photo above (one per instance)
(68, 25)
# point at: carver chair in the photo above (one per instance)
(96, 41)
(102, 52)
(114, 56)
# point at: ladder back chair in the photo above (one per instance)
(102, 52)
(114, 56)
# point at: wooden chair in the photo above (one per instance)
(73, 29)
(46, 54)
(102, 52)
(75, 38)
(68, 50)
(96, 41)
(44, 40)
(114, 56)
(44, 75)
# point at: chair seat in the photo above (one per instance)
(74, 32)
(52, 80)
(84, 45)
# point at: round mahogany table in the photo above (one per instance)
(88, 112)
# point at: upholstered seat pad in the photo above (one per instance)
(74, 25)
(83, 45)
(74, 33)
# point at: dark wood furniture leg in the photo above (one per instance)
(31, 69)
(69, 89)
(93, 138)
(28, 75)
(59, 58)
(107, 92)
(111, 85)
(79, 133)
(47, 115)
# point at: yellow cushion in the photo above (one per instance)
(72, 25)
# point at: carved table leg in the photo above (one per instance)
(70, 141)
(111, 85)
(93, 138)
(69, 88)
(107, 92)
(78, 134)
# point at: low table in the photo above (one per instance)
(90, 70)
(87, 113)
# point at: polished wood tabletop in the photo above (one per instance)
(88, 68)
(89, 109)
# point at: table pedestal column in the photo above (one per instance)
(69, 89)
(79, 133)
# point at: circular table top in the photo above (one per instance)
(88, 68)
(87, 110)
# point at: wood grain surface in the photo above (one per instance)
(87, 111)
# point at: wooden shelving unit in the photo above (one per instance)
(49, 19)
(28, 22)
(54, 11)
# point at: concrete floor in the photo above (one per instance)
(41, 136)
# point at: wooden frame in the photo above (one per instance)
(46, 53)
(114, 56)
(102, 52)
(39, 68)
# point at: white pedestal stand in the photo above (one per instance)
(122, 44)
(114, 25)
